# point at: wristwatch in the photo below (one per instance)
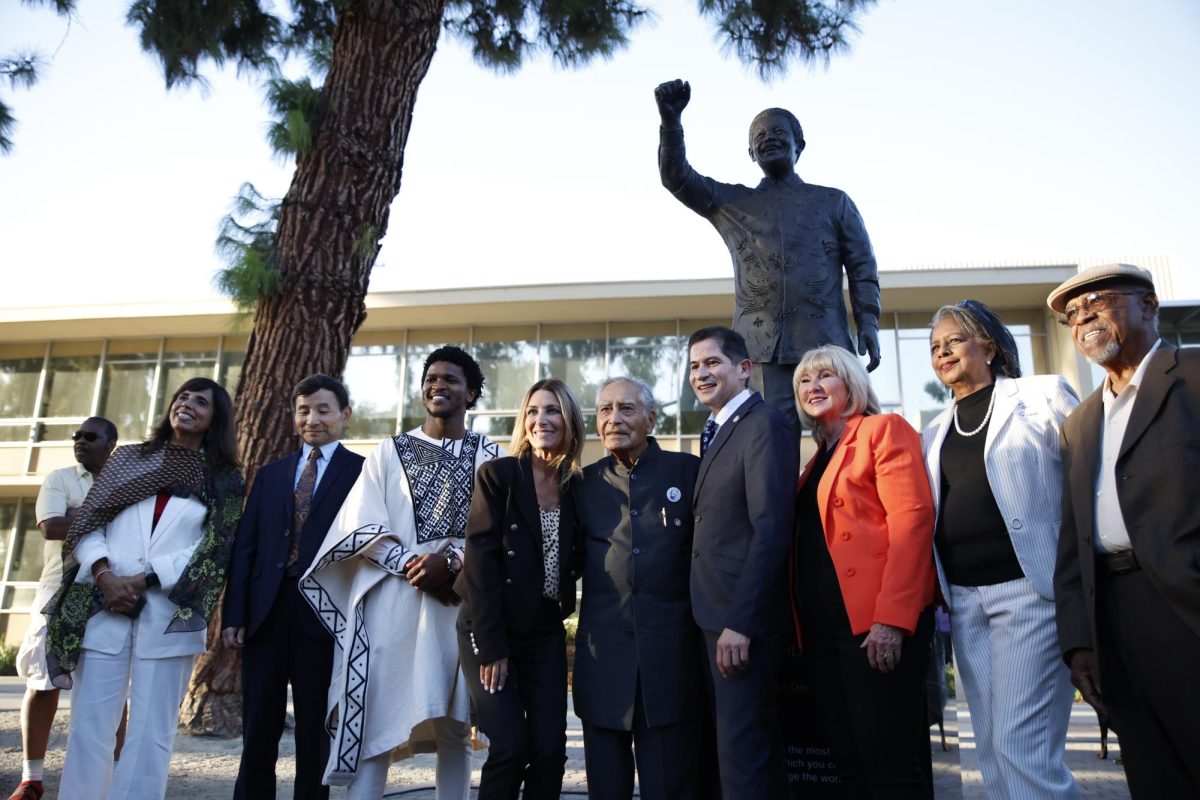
(453, 563)
(152, 581)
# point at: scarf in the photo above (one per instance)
(132, 474)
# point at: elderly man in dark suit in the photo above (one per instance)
(638, 682)
(292, 504)
(1127, 583)
(743, 512)
(790, 243)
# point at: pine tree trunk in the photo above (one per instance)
(332, 219)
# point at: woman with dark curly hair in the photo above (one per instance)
(143, 565)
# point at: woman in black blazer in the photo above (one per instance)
(518, 580)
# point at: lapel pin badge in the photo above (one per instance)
(673, 494)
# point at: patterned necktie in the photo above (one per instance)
(301, 501)
(710, 430)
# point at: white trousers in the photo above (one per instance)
(1017, 687)
(453, 777)
(154, 688)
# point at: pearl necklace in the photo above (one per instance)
(986, 417)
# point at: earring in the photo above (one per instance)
(989, 362)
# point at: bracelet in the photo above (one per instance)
(96, 577)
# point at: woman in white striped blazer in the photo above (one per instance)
(996, 476)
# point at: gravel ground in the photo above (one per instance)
(205, 767)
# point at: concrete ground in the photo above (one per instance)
(204, 768)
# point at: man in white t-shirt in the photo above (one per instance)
(60, 497)
(381, 583)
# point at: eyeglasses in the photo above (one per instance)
(1094, 302)
(88, 436)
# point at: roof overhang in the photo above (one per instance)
(903, 290)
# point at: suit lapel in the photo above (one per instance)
(337, 462)
(526, 496)
(723, 435)
(1156, 382)
(935, 437)
(837, 460)
(287, 482)
(1085, 460)
(1005, 392)
(170, 512)
(145, 512)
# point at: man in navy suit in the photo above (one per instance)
(743, 515)
(292, 504)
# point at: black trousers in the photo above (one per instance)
(1148, 660)
(285, 649)
(776, 383)
(526, 721)
(667, 758)
(748, 753)
(877, 724)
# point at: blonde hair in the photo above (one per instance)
(569, 461)
(846, 366)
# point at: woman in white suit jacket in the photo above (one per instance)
(996, 476)
(143, 563)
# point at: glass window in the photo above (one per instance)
(507, 357)
(178, 369)
(575, 355)
(885, 380)
(125, 397)
(70, 384)
(1024, 339)
(232, 359)
(495, 426)
(14, 433)
(27, 547)
(641, 332)
(922, 395)
(658, 360)
(373, 379)
(56, 433)
(18, 385)
(19, 597)
(8, 516)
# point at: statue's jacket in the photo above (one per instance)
(789, 242)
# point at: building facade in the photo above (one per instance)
(61, 365)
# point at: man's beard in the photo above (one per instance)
(444, 413)
(1106, 353)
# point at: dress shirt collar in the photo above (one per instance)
(1135, 381)
(729, 408)
(327, 451)
(791, 180)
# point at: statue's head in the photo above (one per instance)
(776, 141)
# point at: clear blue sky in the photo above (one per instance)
(966, 132)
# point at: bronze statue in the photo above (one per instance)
(789, 241)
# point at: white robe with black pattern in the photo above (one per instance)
(396, 665)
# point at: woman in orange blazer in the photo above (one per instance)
(863, 578)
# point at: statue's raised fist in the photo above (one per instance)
(672, 98)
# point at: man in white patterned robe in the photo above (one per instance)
(382, 584)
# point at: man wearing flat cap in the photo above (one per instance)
(1127, 584)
